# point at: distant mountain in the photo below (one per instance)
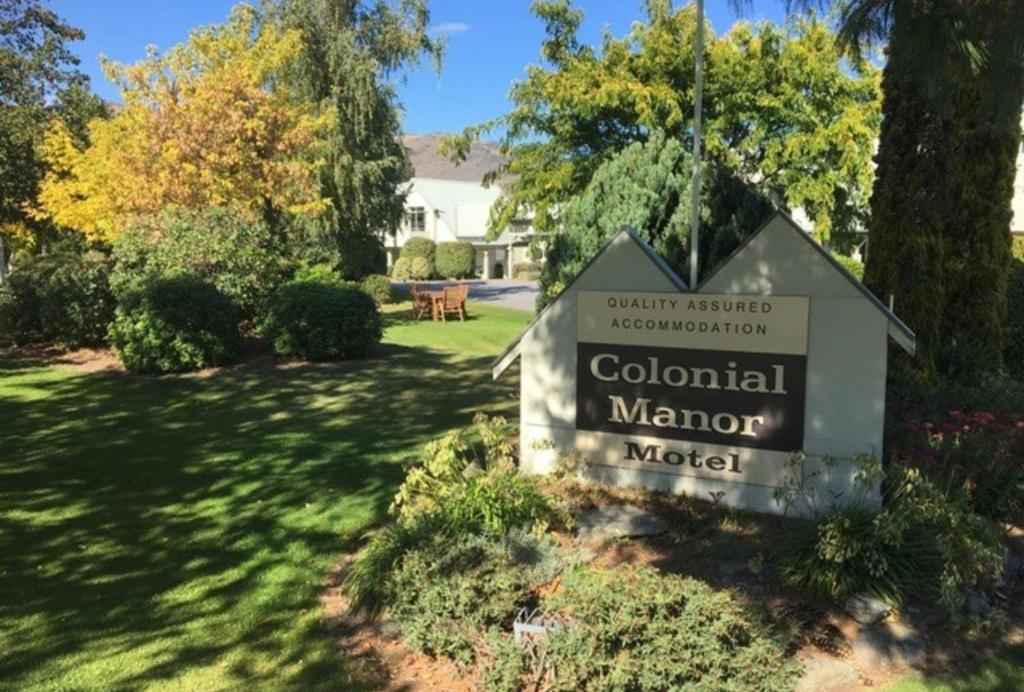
(427, 163)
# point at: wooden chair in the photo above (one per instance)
(422, 303)
(454, 301)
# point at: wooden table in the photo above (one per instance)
(436, 303)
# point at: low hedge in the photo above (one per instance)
(319, 320)
(455, 260)
(63, 298)
(173, 324)
(527, 271)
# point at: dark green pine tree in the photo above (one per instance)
(647, 186)
(909, 201)
(976, 243)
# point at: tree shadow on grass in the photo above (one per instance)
(154, 528)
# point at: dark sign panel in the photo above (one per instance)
(732, 398)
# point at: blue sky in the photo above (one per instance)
(489, 44)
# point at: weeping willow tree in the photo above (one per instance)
(352, 50)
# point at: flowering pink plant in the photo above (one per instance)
(980, 452)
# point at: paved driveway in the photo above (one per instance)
(518, 295)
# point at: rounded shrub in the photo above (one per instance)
(235, 255)
(402, 269)
(174, 324)
(419, 269)
(63, 298)
(455, 260)
(322, 321)
(420, 247)
(378, 287)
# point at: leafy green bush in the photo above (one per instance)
(449, 590)
(455, 260)
(527, 271)
(420, 269)
(1014, 352)
(236, 256)
(319, 273)
(635, 628)
(64, 298)
(173, 324)
(319, 320)
(401, 270)
(925, 541)
(378, 287)
(420, 247)
(478, 488)
(458, 489)
(852, 265)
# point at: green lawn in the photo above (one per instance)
(1002, 674)
(174, 532)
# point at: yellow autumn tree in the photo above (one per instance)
(205, 124)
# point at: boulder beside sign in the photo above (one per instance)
(711, 391)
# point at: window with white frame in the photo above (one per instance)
(417, 219)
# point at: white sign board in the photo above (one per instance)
(702, 385)
(708, 391)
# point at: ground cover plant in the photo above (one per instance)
(640, 629)
(173, 533)
(469, 550)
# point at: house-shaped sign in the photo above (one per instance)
(709, 392)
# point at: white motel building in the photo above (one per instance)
(447, 203)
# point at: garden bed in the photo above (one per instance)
(731, 551)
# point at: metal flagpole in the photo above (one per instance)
(697, 130)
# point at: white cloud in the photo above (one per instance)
(449, 28)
